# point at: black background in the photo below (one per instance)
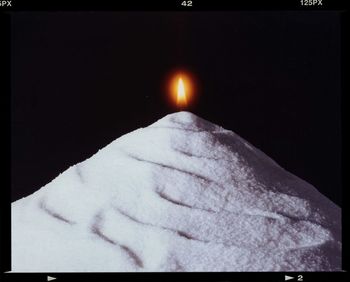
(82, 79)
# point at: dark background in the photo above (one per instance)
(82, 79)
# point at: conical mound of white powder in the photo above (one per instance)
(182, 194)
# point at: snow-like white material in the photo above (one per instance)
(182, 194)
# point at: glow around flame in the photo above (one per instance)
(181, 89)
(181, 99)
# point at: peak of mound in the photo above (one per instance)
(186, 120)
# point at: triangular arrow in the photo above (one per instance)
(286, 277)
(49, 278)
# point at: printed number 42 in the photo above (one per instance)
(186, 3)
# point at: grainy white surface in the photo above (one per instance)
(182, 194)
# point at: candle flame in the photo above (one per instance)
(181, 99)
(181, 89)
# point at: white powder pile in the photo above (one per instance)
(182, 194)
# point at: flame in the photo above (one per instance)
(181, 89)
(181, 99)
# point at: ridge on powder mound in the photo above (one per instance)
(182, 194)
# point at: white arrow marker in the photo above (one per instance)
(49, 278)
(286, 277)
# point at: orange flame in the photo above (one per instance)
(181, 90)
(181, 99)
